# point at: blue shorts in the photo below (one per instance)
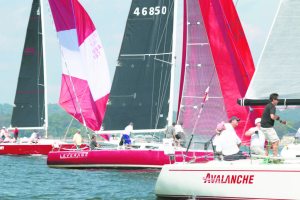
(126, 139)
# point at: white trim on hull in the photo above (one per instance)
(242, 179)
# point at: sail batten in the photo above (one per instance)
(83, 93)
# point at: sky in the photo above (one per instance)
(109, 17)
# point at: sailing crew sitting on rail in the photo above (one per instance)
(258, 139)
(77, 139)
(2, 133)
(34, 137)
(179, 134)
(126, 135)
(5, 135)
(220, 128)
(93, 143)
(228, 143)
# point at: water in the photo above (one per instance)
(29, 178)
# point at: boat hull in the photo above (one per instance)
(41, 148)
(25, 149)
(229, 180)
(121, 158)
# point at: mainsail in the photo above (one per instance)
(216, 69)
(30, 106)
(85, 80)
(278, 67)
(141, 86)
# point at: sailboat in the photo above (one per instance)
(30, 111)
(142, 93)
(246, 179)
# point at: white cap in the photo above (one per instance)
(257, 120)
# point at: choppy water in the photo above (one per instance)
(30, 178)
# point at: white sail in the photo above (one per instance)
(278, 68)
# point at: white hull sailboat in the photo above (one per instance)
(242, 179)
(252, 178)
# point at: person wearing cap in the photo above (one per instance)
(267, 123)
(77, 139)
(228, 143)
(216, 138)
(257, 144)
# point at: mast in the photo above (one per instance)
(45, 68)
(171, 104)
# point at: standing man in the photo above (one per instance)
(16, 133)
(77, 139)
(125, 139)
(267, 123)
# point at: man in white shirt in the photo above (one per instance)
(258, 139)
(125, 139)
(179, 134)
(228, 142)
(77, 139)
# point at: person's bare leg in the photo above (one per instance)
(275, 148)
(267, 148)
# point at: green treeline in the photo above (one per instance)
(59, 121)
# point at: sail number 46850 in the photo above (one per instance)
(157, 10)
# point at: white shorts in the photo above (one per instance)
(270, 134)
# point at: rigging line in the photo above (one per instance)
(67, 131)
(160, 97)
(165, 89)
(167, 75)
(76, 97)
(161, 85)
(159, 102)
(145, 54)
(163, 61)
(235, 48)
(156, 46)
(236, 3)
(247, 121)
(165, 27)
